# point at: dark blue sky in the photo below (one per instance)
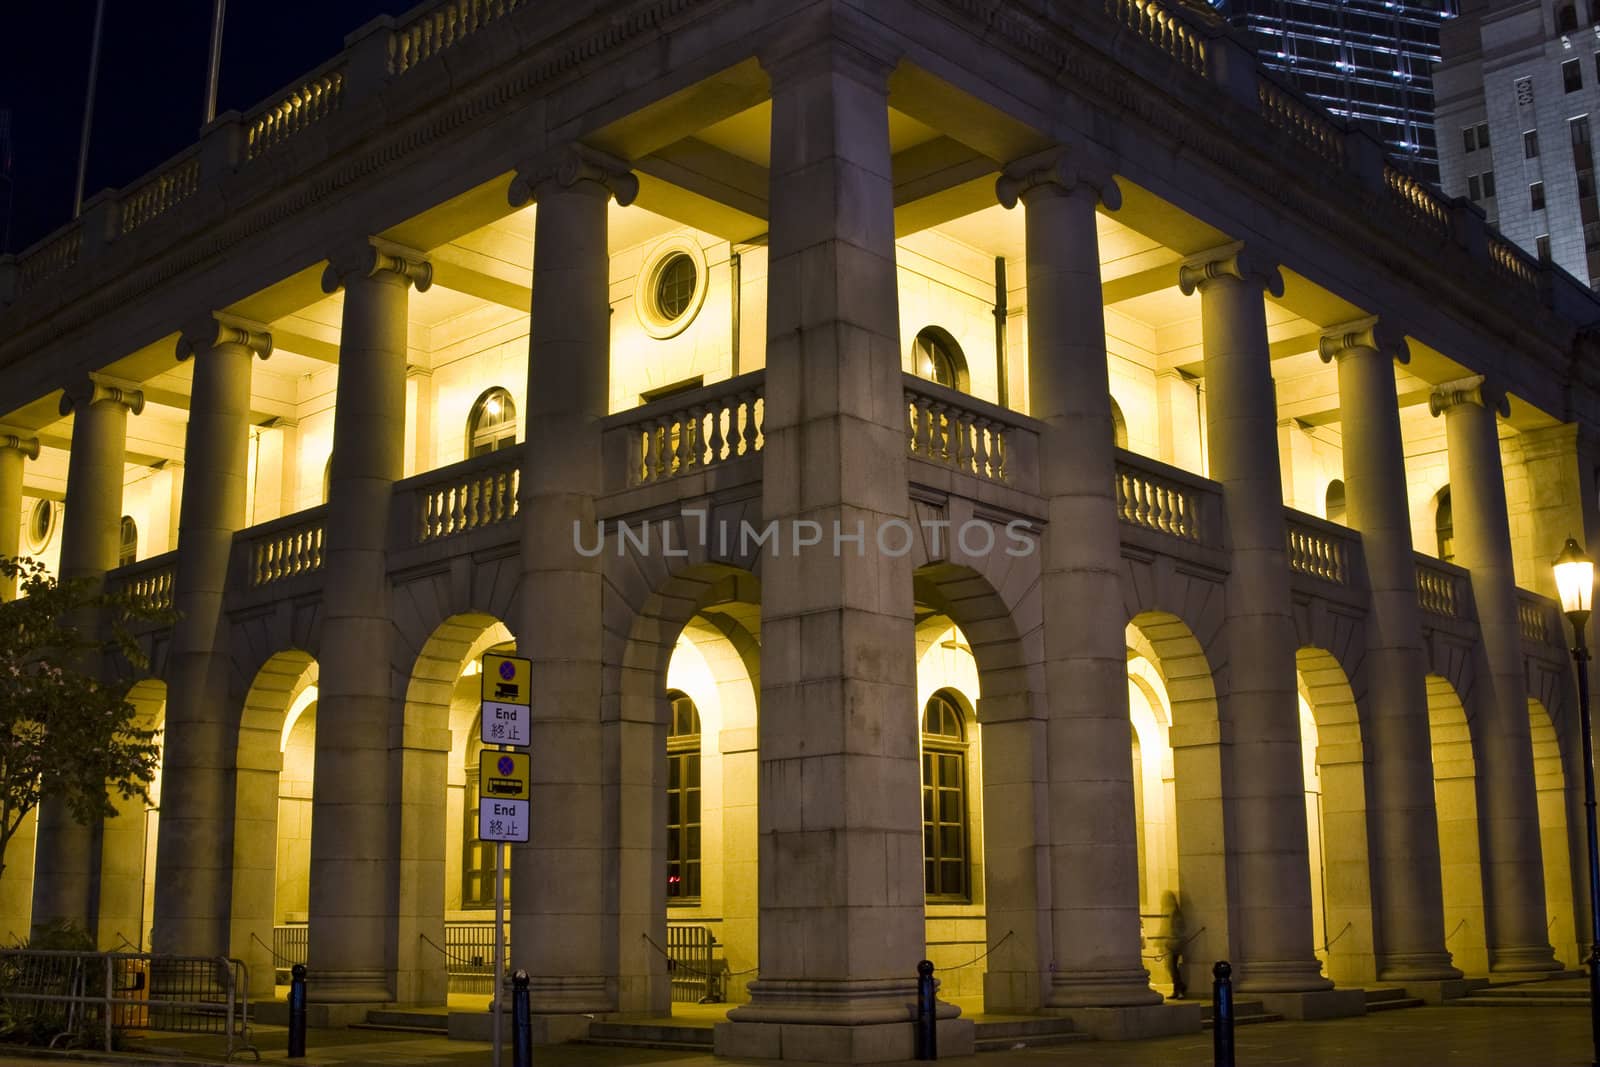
(151, 87)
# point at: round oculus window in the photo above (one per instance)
(675, 284)
(671, 288)
(41, 524)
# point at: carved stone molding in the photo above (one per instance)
(1058, 170)
(94, 388)
(372, 258)
(1370, 334)
(219, 330)
(568, 166)
(1474, 390)
(1236, 261)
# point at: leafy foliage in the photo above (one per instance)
(63, 731)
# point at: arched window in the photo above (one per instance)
(944, 799)
(936, 357)
(1119, 425)
(1333, 501)
(492, 424)
(683, 801)
(1444, 525)
(128, 542)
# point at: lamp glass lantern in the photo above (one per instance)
(1575, 582)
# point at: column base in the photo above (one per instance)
(1280, 976)
(555, 995)
(1418, 967)
(822, 1043)
(1134, 1023)
(1101, 989)
(1316, 1004)
(348, 987)
(833, 1003)
(1445, 991)
(1523, 959)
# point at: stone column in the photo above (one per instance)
(1263, 784)
(14, 448)
(564, 908)
(194, 851)
(1508, 812)
(841, 852)
(353, 848)
(67, 861)
(1094, 922)
(1402, 826)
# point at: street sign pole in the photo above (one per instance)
(503, 793)
(499, 926)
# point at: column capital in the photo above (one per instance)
(372, 257)
(94, 388)
(1474, 390)
(18, 442)
(220, 329)
(568, 166)
(1236, 261)
(1057, 171)
(1372, 334)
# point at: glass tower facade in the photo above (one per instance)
(1361, 59)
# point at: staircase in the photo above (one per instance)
(1245, 1012)
(402, 1021)
(660, 1034)
(1534, 994)
(1000, 1035)
(1390, 999)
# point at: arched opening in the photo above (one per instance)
(1333, 501)
(492, 424)
(1336, 819)
(1444, 526)
(127, 541)
(684, 845)
(1119, 425)
(936, 356)
(272, 819)
(1455, 796)
(1550, 780)
(1154, 798)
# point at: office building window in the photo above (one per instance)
(1530, 145)
(1474, 188)
(944, 799)
(1536, 196)
(683, 801)
(1571, 76)
(1542, 243)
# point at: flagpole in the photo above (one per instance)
(88, 108)
(215, 67)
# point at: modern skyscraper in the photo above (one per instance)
(1516, 91)
(1360, 59)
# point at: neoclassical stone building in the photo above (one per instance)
(1029, 410)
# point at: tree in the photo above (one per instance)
(63, 731)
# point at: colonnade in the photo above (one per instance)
(841, 909)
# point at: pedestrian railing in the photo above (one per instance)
(88, 997)
(689, 962)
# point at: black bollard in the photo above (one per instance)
(297, 1012)
(1222, 1014)
(521, 1022)
(927, 1013)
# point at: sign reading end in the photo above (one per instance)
(502, 820)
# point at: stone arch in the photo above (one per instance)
(285, 679)
(1338, 828)
(1456, 801)
(440, 714)
(1186, 676)
(128, 841)
(1550, 781)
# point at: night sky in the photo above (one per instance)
(151, 85)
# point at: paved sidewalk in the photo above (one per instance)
(1418, 1037)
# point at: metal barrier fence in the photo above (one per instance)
(89, 996)
(468, 951)
(689, 963)
(290, 945)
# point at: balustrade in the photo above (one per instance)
(147, 584)
(276, 122)
(1319, 549)
(54, 255)
(959, 431)
(1158, 24)
(1438, 589)
(1310, 126)
(1513, 263)
(158, 195)
(435, 30)
(283, 549)
(693, 431)
(1156, 497)
(1421, 204)
(468, 496)
(1533, 616)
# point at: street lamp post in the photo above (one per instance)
(1575, 582)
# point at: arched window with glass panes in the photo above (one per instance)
(1333, 501)
(492, 424)
(683, 801)
(1444, 525)
(127, 542)
(477, 856)
(944, 800)
(936, 356)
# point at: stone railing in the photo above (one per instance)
(52, 256)
(466, 496)
(272, 124)
(285, 547)
(147, 584)
(1440, 588)
(1154, 496)
(1421, 204)
(962, 432)
(687, 433)
(435, 30)
(1319, 548)
(155, 197)
(1310, 126)
(1513, 263)
(1534, 617)
(1155, 21)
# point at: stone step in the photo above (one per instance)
(1529, 992)
(410, 1022)
(1390, 999)
(1245, 1013)
(1495, 1000)
(1002, 1035)
(662, 1035)
(1007, 1044)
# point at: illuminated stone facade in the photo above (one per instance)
(1030, 411)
